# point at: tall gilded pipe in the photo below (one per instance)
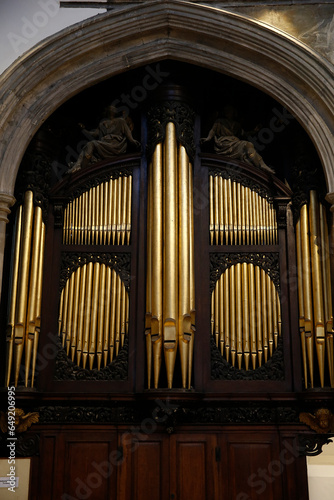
(94, 314)
(232, 314)
(221, 315)
(227, 312)
(235, 212)
(118, 314)
(34, 269)
(259, 321)
(307, 287)
(38, 312)
(82, 312)
(252, 313)
(221, 208)
(245, 314)
(113, 314)
(64, 312)
(69, 323)
(119, 209)
(216, 208)
(301, 299)
(75, 315)
(124, 206)
(238, 301)
(123, 314)
(110, 211)
(265, 304)
(14, 273)
(114, 211)
(88, 307)
(270, 305)
(106, 319)
(317, 282)
(217, 301)
(184, 318)
(102, 304)
(170, 280)
(157, 260)
(23, 280)
(226, 211)
(212, 211)
(128, 210)
(230, 211)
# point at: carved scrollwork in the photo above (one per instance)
(222, 370)
(237, 175)
(311, 445)
(27, 445)
(269, 262)
(121, 262)
(91, 182)
(178, 113)
(66, 369)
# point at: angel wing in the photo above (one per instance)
(26, 421)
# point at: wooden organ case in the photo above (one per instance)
(168, 311)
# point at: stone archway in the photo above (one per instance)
(112, 43)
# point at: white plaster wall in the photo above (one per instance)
(24, 23)
(320, 471)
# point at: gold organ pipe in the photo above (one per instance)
(85, 218)
(23, 280)
(230, 211)
(221, 314)
(106, 319)
(252, 313)
(245, 314)
(256, 216)
(264, 302)
(238, 290)
(32, 297)
(88, 308)
(232, 314)
(184, 318)
(317, 281)
(89, 216)
(64, 313)
(123, 313)
(227, 312)
(75, 220)
(119, 209)
(250, 210)
(259, 321)
(239, 214)
(270, 305)
(38, 304)
(226, 211)
(97, 214)
(113, 314)
(103, 204)
(170, 280)
(69, 323)
(243, 214)
(307, 286)
(301, 299)
(106, 205)
(13, 291)
(216, 208)
(114, 210)
(212, 313)
(83, 304)
(68, 227)
(264, 218)
(274, 313)
(148, 315)
(217, 301)
(247, 219)
(118, 314)
(157, 260)
(192, 273)
(128, 211)
(212, 226)
(124, 206)
(94, 214)
(65, 226)
(221, 209)
(75, 317)
(102, 305)
(235, 212)
(94, 315)
(109, 212)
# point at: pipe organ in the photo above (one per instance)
(100, 215)
(93, 315)
(239, 215)
(170, 281)
(314, 292)
(25, 294)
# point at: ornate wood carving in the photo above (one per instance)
(121, 262)
(65, 369)
(178, 113)
(222, 370)
(311, 445)
(236, 174)
(269, 262)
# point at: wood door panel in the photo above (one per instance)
(194, 472)
(254, 469)
(144, 471)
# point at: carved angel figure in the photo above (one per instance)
(226, 133)
(112, 136)
(22, 421)
(322, 421)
